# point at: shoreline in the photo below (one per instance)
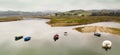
(7, 19)
(88, 29)
(74, 21)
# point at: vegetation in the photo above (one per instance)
(5, 19)
(100, 28)
(77, 20)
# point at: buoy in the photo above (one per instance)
(27, 38)
(18, 37)
(106, 44)
(56, 37)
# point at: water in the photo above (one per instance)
(42, 43)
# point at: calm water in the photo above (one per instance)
(42, 43)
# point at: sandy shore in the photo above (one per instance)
(88, 29)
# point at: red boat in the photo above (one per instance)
(56, 37)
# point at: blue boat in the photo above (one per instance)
(27, 38)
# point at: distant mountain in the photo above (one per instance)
(22, 13)
(80, 12)
(73, 13)
(104, 12)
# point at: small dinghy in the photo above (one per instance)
(65, 33)
(97, 34)
(56, 37)
(27, 38)
(18, 38)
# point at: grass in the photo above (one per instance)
(100, 28)
(71, 20)
(6, 19)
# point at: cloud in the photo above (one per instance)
(38, 5)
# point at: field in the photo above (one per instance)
(72, 21)
(6, 19)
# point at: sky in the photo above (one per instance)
(57, 5)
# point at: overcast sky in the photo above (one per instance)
(60, 5)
